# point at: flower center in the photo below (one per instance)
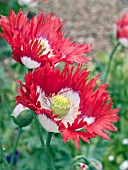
(42, 43)
(46, 49)
(60, 105)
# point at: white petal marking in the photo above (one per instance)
(29, 63)
(124, 41)
(18, 109)
(75, 101)
(47, 47)
(89, 120)
(48, 124)
(71, 95)
(44, 101)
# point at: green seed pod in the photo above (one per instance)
(22, 116)
(60, 105)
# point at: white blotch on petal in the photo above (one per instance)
(71, 95)
(48, 124)
(89, 120)
(46, 46)
(64, 56)
(18, 109)
(74, 101)
(44, 101)
(124, 41)
(29, 63)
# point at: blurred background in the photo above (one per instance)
(87, 21)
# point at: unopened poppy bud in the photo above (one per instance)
(22, 116)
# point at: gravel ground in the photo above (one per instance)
(91, 21)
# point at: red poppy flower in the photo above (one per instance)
(39, 40)
(66, 102)
(122, 30)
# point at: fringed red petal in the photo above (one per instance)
(25, 37)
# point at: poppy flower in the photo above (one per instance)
(122, 30)
(40, 40)
(69, 103)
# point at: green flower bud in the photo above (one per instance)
(22, 116)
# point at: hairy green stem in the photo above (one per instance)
(3, 156)
(110, 60)
(46, 148)
(39, 130)
(50, 165)
(15, 146)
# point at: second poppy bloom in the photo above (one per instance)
(40, 40)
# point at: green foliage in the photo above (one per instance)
(6, 6)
